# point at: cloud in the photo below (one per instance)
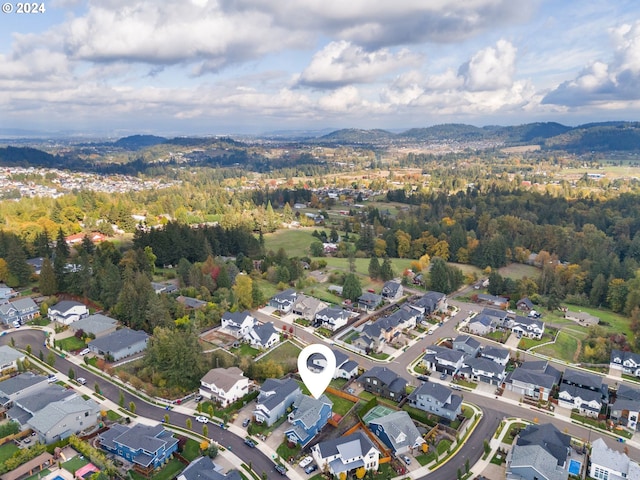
(342, 63)
(601, 82)
(491, 68)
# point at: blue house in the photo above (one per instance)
(146, 446)
(308, 417)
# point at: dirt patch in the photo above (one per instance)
(216, 337)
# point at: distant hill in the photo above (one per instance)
(357, 136)
(28, 157)
(137, 142)
(528, 132)
(449, 131)
(610, 136)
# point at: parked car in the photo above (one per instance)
(406, 460)
(246, 422)
(443, 376)
(52, 379)
(198, 398)
(281, 469)
(250, 443)
(81, 380)
(306, 461)
(85, 351)
(311, 468)
(202, 419)
(424, 378)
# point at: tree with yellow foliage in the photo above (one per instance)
(360, 472)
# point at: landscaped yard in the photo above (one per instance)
(191, 450)
(75, 464)
(7, 450)
(566, 347)
(286, 453)
(516, 271)
(340, 405)
(71, 344)
(514, 430)
(245, 350)
(168, 472)
(285, 354)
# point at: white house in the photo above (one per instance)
(392, 291)
(332, 318)
(9, 358)
(237, 324)
(224, 385)
(628, 362)
(346, 454)
(588, 402)
(607, 464)
(263, 336)
(442, 359)
(67, 311)
(527, 326)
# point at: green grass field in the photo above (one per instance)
(7, 450)
(565, 348)
(71, 344)
(516, 271)
(284, 353)
(295, 242)
(74, 464)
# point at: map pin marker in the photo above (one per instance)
(316, 382)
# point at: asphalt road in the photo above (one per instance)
(259, 461)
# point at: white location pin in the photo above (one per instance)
(316, 382)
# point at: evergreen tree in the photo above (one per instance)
(438, 279)
(19, 270)
(351, 288)
(386, 270)
(257, 297)
(374, 268)
(47, 282)
(60, 257)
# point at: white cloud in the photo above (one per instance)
(341, 63)
(491, 68)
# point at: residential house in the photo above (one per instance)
(430, 303)
(6, 292)
(366, 344)
(67, 311)
(52, 412)
(146, 446)
(528, 327)
(120, 344)
(436, 399)
(237, 324)
(36, 264)
(335, 289)
(500, 318)
(483, 370)
(77, 238)
(332, 318)
(582, 317)
(533, 379)
(384, 383)
(524, 305)
(263, 336)
(274, 398)
(481, 325)
(96, 325)
(369, 301)
(608, 464)
(345, 368)
(23, 384)
(466, 344)
(309, 416)
(190, 302)
(541, 451)
(493, 300)
(203, 468)
(397, 431)
(625, 410)
(166, 287)
(307, 307)
(224, 385)
(387, 329)
(392, 291)
(443, 359)
(9, 358)
(19, 310)
(283, 301)
(582, 390)
(496, 354)
(628, 362)
(346, 454)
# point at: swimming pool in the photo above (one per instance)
(574, 467)
(57, 477)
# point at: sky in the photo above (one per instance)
(206, 67)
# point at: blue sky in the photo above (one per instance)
(115, 67)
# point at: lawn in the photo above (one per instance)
(283, 353)
(39, 475)
(517, 271)
(245, 350)
(75, 464)
(168, 472)
(340, 405)
(71, 344)
(566, 347)
(321, 292)
(113, 416)
(286, 453)
(498, 336)
(612, 322)
(362, 265)
(7, 450)
(294, 242)
(191, 450)
(514, 429)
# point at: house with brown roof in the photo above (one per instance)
(224, 385)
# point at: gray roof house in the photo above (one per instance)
(224, 385)
(274, 398)
(397, 431)
(120, 344)
(383, 382)
(346, 454)
(144, 445)
(262, 336)
(392, 291)
(369, 301)
(524, 304)
(626, 409)
(481, 324)
(586, 401)
(345, 368)
(21, 309)
(191, 302)
(492, 299)
(308, 418)
(332, 318)
(307, 307)
(67, 311)
(466, 344)
(628, 362)
(203, 468)
(500, 317)
(22, 384)
(36, 264)
(527, 326)
(284, 300)
(437, 399)
(430, 302)
(9, 358)
(605, 462)
(483, 370)
(237, 324)
(97, 325)
(496, 354)
(443, 359)
(540, 451)
(533, 379)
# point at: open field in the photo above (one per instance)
(284, 354)
(611, 322)
(516, 271)
(7, 450)
(362, 264)
(566, 347)
(295, 242)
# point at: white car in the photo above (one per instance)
(305, 461)
(85, 351)
(202, 419)
(81, 381)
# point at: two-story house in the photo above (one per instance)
(437, 399)
(262, 336)
(533, 379)
(392, 291)
(625, 410)
(481, 324)
(143, 445)
(383, 382)
(482, 369)
(332, 318)
(19, 310)
(583, 391)
(22, 384)
(346, 454)
(6, 292)
(430, 303)
(527, 326)
(466, 344)
(284, 300)
(237, 324)
(224, 385)
(540, 451)
(345, 367)
(307, 307)
(67, 311)
(608, 464)
(9, 358)
(369, 302)
(628, 362)
(397, 431)
(309, 416)
(274, 398)
(496, 354)
(500, 318)
(203, 468)
(524, 304)
(443, 359)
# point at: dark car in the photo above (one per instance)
(198, 398)
(443, 376)
(281, 469)
(250, 443)
(246, 422)
(311, 468)
(424, 378)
